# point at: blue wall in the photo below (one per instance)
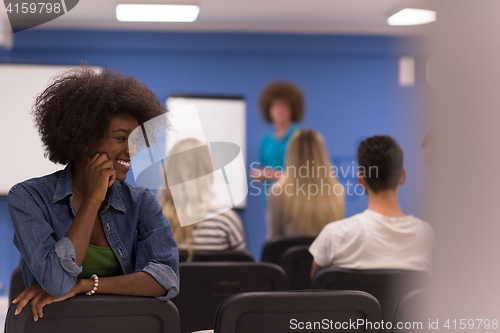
(350, 83)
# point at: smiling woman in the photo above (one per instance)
(84, 229)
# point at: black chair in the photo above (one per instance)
(410, 310)
(297, 261)
(98, 314)
(273, 250)
(228, 255)
(271, 312)
(205, 285)
(388, 286)
(16, 284)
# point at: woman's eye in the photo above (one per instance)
(122, 139)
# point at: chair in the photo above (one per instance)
(410, 309)
(227, 255)
(205, 285)
(388, 286)
(98, 314)
(274, 249)
(270, 312)
(16, 284)
(297, 261)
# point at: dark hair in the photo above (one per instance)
(76, 109)
(287, 92)
(380, 158)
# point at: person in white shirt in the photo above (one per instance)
(381, 237)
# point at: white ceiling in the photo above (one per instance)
(285, 16)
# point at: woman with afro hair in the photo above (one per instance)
(281, 104)
(84, 229)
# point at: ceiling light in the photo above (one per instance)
(412, 16)
(156, 13)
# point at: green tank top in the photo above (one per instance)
(100, 261)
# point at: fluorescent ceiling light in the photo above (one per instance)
(156, 13)
(412, 16)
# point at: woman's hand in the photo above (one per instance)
(39, 298)
(100, 174)
(266, 174)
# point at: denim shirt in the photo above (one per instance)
(140, 236)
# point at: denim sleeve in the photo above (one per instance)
(51, 262)
(157, 252)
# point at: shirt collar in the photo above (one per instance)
(65, 188)
(293, 127)
(114, 198)
(64, 185)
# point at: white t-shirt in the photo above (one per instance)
(373, 241)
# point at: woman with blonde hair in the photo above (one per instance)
(308, 196)
(196, 224)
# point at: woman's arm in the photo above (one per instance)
(99, 175)
(156, 250)
(135, 284)
(51, 261)
(56, 263)
(267, 173)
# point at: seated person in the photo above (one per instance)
(381, 237)
(202, 225)
(308, 196)
(84, 229)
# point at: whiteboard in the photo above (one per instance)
(22, 148)
(222, 119)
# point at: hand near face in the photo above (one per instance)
(100, 174)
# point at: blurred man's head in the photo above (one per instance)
(380, 161)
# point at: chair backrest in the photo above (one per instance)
(227, 255)
(387, 285)
(98, 314)
(205, 285)
(315, 310)
(297, 261)
(410, 311)
(274, 249)
(16, 284)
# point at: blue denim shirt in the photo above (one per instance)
(140, 236)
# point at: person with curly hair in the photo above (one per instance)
(282, 104)
(84, 229)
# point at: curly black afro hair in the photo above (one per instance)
(284, 91)
(76, 109)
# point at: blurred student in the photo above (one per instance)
(308, 197)
(281, 104)
(216, 231)
(381, 237)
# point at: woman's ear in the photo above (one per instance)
(86, 149)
